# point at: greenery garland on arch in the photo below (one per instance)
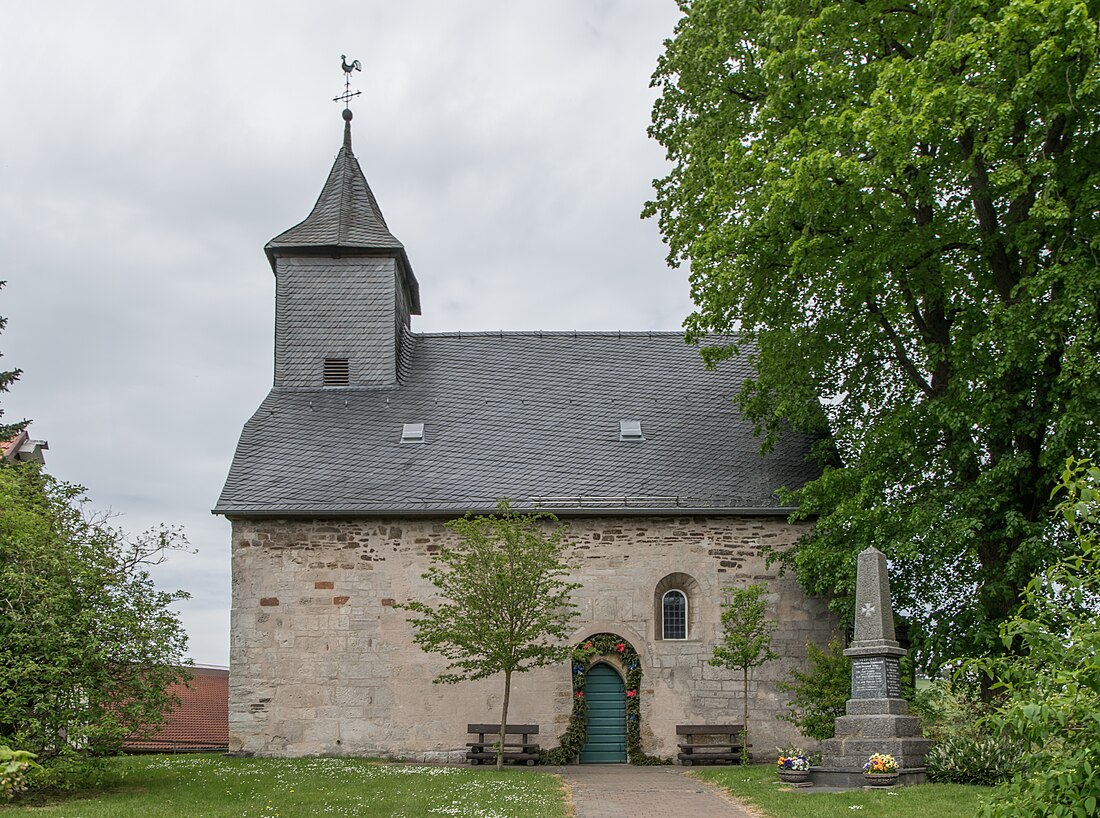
(582, 657)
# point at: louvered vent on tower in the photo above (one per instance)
(337, 372)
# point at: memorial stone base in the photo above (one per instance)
(872, 726)
(851, 779)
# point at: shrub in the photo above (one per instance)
(73, 773)
(1050, 678)
(951, 707)
(88, 645)
(962, 759)
(14, 767)
(821, 693)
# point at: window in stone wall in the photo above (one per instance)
(674, 615)
(676, 601)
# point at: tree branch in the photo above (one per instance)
(1004, 277)
(899, 349)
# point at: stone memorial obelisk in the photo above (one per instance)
(877, 718)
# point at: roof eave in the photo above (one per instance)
(565, 511)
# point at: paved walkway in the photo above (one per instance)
(627, 791)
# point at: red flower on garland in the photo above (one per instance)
(630, 694)
(579, 694)
(587, 645)
(620, 647)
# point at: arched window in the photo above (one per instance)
(677, 603)
(674, 614)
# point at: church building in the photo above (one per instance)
(373, 436)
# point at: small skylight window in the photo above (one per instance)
(336, 372)
(412, 432)
(630, 430)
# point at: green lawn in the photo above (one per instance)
(758, 786)
(210, 786)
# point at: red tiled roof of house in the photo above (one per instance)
(199, 722)
(11, 445)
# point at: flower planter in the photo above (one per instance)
(794, 776)
(881, 779)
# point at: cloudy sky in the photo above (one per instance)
(149, 149)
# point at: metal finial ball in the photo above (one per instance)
(347, 115)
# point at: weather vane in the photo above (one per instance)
(348, 94)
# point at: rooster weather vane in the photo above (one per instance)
(348, 94)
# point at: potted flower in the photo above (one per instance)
(793, 769)
(881, 770)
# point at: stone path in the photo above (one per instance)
(626, 791)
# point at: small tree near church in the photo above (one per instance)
(505, 604)
(746, 640)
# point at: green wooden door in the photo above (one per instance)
(606, 697)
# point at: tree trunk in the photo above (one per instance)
(504, 719)
(745, 717)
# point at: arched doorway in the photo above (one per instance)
(605, 693)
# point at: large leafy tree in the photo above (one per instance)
(504, 602)
(895, 207)
(88, 646)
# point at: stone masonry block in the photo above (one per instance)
(878, 726)
(868, 707)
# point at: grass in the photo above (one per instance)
(208, 786)
(758, 785)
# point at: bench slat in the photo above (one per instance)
(708, 729)
(689, 758)
(701, 749)
(701, 757)
(507, 756)
(531, 729)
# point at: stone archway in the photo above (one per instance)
(622, 658)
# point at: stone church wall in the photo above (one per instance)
(322, 662)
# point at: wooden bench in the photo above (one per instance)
(723, 743)
(484, 749)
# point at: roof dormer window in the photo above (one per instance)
(412, 432)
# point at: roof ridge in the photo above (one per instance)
(552, 334)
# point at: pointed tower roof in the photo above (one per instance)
(346, 217)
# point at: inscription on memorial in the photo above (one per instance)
(893, 679)
(876, 678)
(868, 678)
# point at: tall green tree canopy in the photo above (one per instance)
(896, 208)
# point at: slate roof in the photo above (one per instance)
(533, 417)
(346, 217)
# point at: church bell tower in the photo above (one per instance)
(344, 288)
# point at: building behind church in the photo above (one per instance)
(373, 436)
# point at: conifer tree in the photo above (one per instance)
(7, 378)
